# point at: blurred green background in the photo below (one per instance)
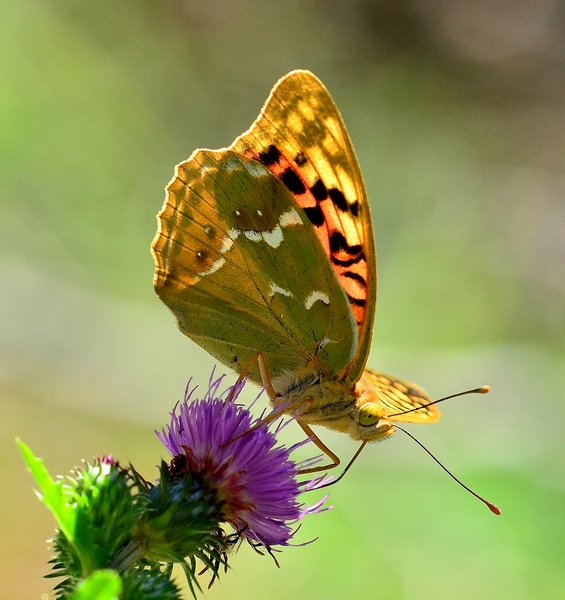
(456, 110)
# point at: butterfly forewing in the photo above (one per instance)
(301, 138)
(241, 269)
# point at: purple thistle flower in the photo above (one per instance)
(254, 479)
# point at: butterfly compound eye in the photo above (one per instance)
(370, 414)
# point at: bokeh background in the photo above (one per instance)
(456, 110)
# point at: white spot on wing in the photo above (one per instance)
(233, 233)
(275, 289)
(274, 237)
(227, 244)
(218, 264)
(314, 297)
(254, 236)
(290, 217)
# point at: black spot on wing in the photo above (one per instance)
(349, 262)
(338, 243)
(354, 208)
(270, 156)
(300, 159)
(356, 277)
(202, 256)
(319, 190)
(338, 199)
(293, 181)
(339, 246)
(315, 215)
(356, 301)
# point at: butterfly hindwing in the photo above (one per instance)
(241, 268)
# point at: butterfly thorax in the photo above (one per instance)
(333, 403)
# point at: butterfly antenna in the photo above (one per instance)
(346, 468)
(492, 507)
(484, 389)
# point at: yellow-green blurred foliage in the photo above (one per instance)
(456, 110)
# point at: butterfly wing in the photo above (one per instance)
(399, 396)
(241, 268)
(301, 138)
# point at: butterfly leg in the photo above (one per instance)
(258, 356)
(265, 377)
(267, 385)
(333, 457)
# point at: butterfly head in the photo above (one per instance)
(372, 422)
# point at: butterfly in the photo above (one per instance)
(265, 254)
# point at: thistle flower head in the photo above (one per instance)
(254, 478)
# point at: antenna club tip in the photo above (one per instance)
(484, 389)
(494, 509)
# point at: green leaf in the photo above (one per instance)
(52, 492)
(101, 585)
